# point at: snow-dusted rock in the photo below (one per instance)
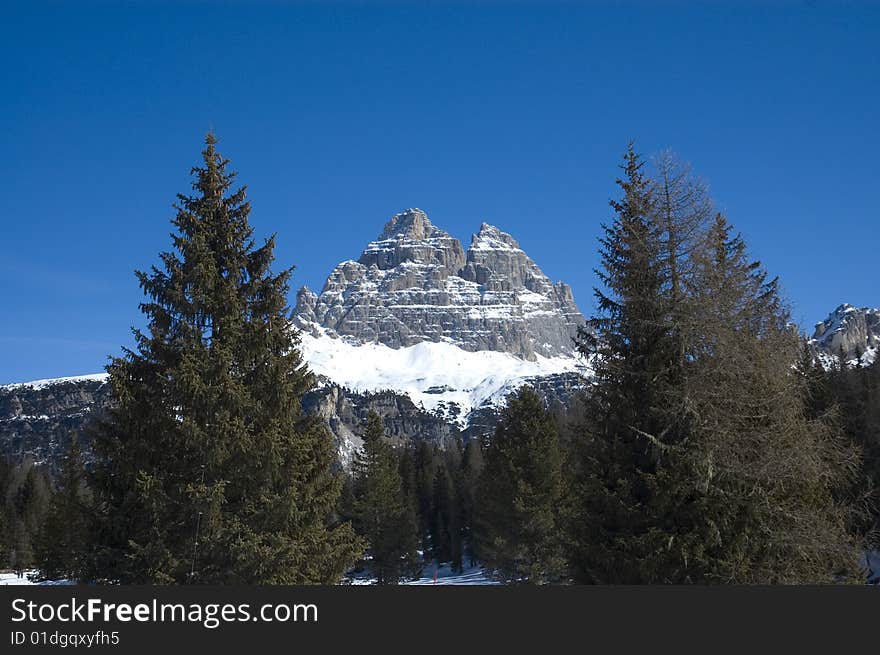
(416, 283)
(852, 331)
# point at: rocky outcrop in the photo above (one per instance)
(38, 420)
(345, 413)
(416, 283)
(849, 331)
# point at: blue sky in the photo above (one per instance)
(339, 115)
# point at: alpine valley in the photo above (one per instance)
(428, 334)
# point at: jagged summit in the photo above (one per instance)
(491, 238)
(851, 331)
(416, 283)
(411, 237)
(412, 223)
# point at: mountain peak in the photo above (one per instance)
(412, 223)
(491, 238)
(852, 331)
(411, 237)
(416, 284)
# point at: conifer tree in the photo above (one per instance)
(521, 495)
(383, 515)
(427, 459)
(774, 472)
(628, 506)
(26, 494)
(62, 543)
(698, 462)
(208, 469)
(471, 470)
(446, 537)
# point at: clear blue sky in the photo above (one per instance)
(338, 116)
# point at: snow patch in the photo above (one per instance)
(435, 375)
(42, 384)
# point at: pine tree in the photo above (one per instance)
(61, 547)
(383, 515)
(774, 472)
(446, 537)
(629, 499)
(208, 469)
(698, 461)
(26, 500)
(427, 461)
(471, 470)
(521, 495)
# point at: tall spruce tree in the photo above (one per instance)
(384, 515)
(208, 469)
(521, 495)
(631, 525)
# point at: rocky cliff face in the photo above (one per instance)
(851, 331)
(38, 419)
(416, 283)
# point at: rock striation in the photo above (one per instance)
(853, 332)
(417, 283)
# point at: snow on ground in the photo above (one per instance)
(445, 576)
(431, 373)
(8, 578)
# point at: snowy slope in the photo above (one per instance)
(434, 375)
(42, 384)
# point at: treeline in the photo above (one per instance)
(25, 492)
(414, 505)
(707, 448)
(848, 397)
(44, 522)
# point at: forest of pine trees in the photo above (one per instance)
(709, 445)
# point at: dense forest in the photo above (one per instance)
(710, 445)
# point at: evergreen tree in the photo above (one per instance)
(208, 469)
(427, 462)
(773, 470)
(849, 397)
(383, 514)
(27, 492)
(630, 503)
(62, 543)
(471, 470)
(698, 461)
(446, 521)
(522, 494)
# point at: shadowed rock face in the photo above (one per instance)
(416, 283)
(37, 423)
(852, 331)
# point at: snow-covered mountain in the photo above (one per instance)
(453, 330)
(417, 284)
(853, 332)
(430, 336)
(441, 378)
